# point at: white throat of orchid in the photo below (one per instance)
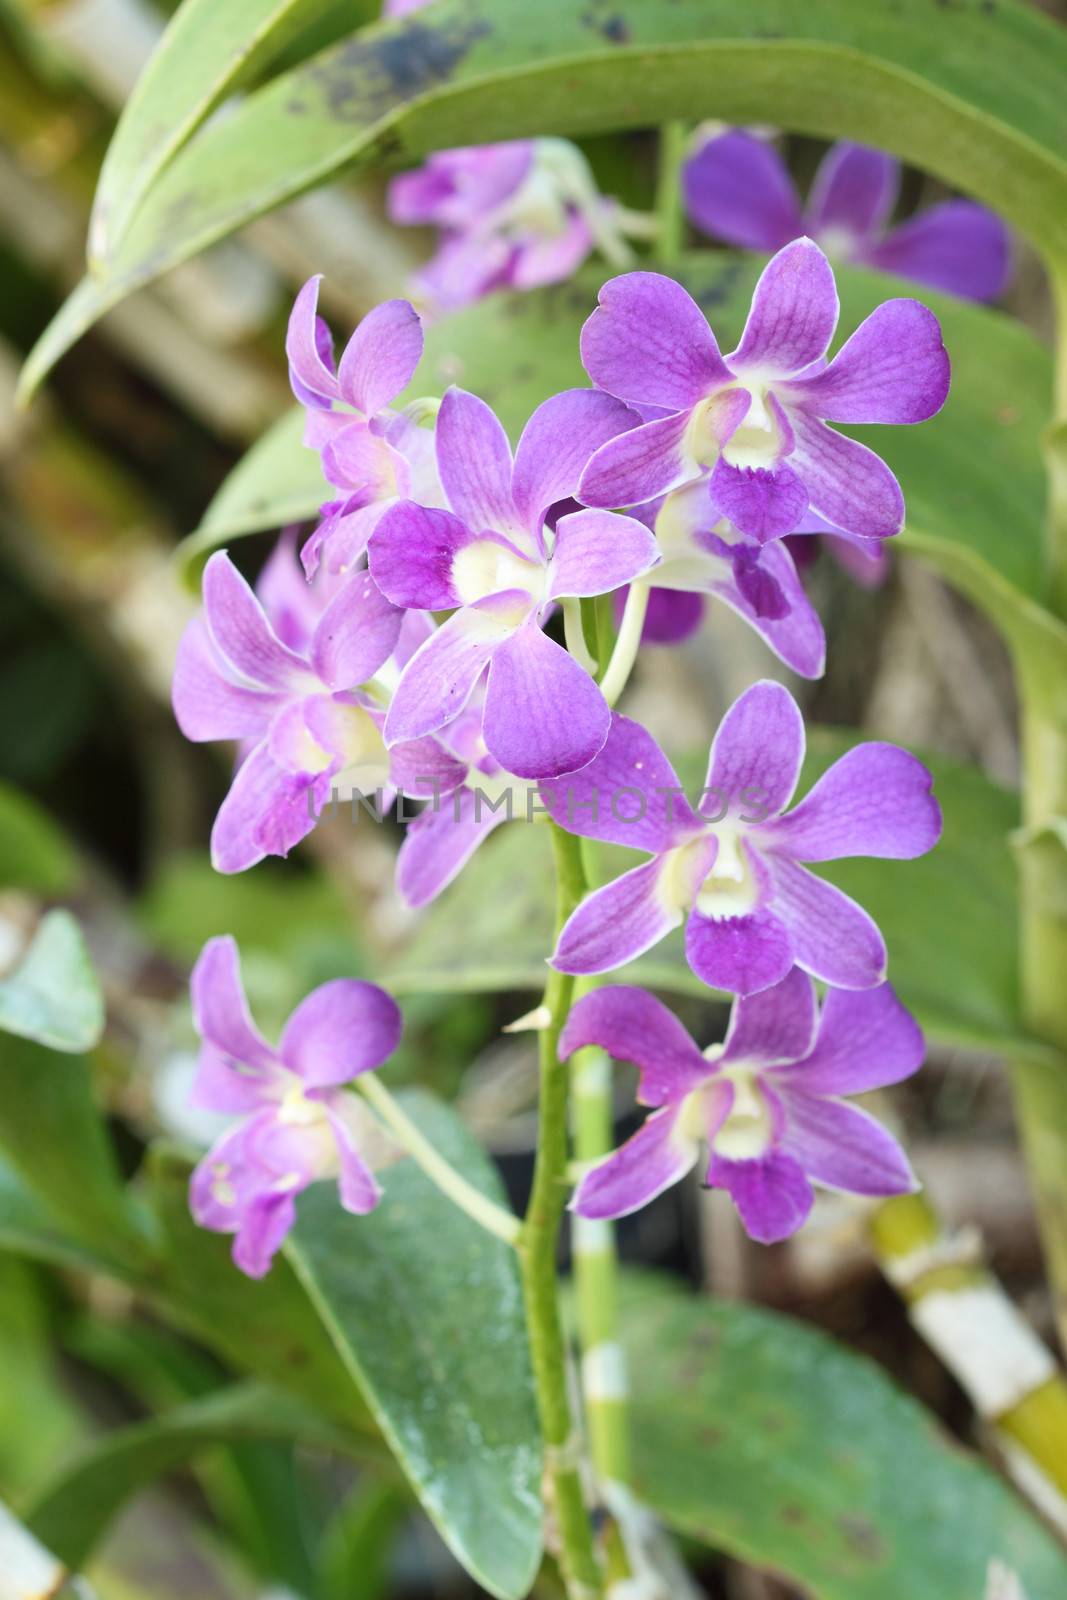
(728, 888)
(838, 243)
(757, 442)
(486, 567)
(356, 742)
(747, 1131)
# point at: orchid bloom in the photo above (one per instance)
(299, 712)
(732, 869)
(767, 1103)
(297, 1124)
(373, 454)
(758, 417)
(513, 215)
(702, 554)
(738, 188)
(494, 564)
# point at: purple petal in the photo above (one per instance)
(957, 246)
(772, 1194)
(777, 1025)
(763, 502)
(262, 1232)
(648, 340)
(357, 1185)
(794, 312)
(875, 801)
(854, 191)
(833, 938)
(757, 753)
(557, 444)
(220, 1010)
(797, 638)
(309, 349)
(411, 554)
(637, 466)
(893, 369)
(544, 714)
(440, 677)
(598, 551)
(266, 812)
(206, 704)
(293, 605)
(866, 1040)
(657, 1155)
(241, 633)
(227, 1179)
(618, 923)
(847, 483)
(738, 188)
(842, 1147)
(741, 954)
(440, 841)
(865, 560)
(628, 794)
(672, 616)
(381, 356)
(356, 634)
(474, 460)
(631, 1025)
(464, 267)
(552, 257)
(341, 1029)
(423, 768)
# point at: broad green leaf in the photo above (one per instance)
(950, 919)
(33, 851)
(760, 1436)
(972, 92)
(208, 47)
(973, 477)
(38, 1418)
(73, 1510)
(28, 1228)
(425, 1309)
(54, 996)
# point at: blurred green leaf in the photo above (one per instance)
(761, 1437)
(54, 996)
(208, 48)
(72, 1512)
(39, 1420)
(972, 93)
(950, 919)
(425, 1308)
(34, 853)
(354, 1556)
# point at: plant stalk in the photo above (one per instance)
(538, 1255)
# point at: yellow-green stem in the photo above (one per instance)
(669, 208)
(538, 1246)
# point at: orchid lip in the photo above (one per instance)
(491, 566)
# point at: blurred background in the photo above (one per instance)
(104, 806)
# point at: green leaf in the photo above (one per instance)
(950, 919)
(763, 1438)
(971, 92)
(72, 1512)
(208, 47)
(425, 1309)
(34, 854)
(54, 996)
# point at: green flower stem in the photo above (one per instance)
(627, 644)
(537, 1253)
(496, 1219)
(960, 1309)
(672, 145)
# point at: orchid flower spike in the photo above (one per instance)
(300, 713)
(731, 870)
(297, 1125)
(766, 1104)
(494, 563)
(738, 188)
(758, 417)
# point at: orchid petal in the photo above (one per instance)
(777, 1025)
(474, 460)
(618, 923)
(794, 312)
(544, 714)
(440, 677)
(867, 1040)
(648, 340)
(341, 1029)
(847, 483)
(854, 191)
(381, 356)
(598, 551)
(894, 368)
(875, 800)
(756, 754)
(241, 632)
(657, 1155)
(740, 954)
(207, 705)
(557, 444)
(772, 1194)
(654, 816)
(843, 1147)
(631, 1025)
(738, 188)
(833, 938)
(956, 246)
(639, 465)
(356, 634)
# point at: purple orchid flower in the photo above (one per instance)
(299, 712)
(758, 418)
(672, 617)
(766, 1102)
(297, 1124)
(492, 562)
(732, 870)
(738, 188)
(515, 215)
(373, 454)
(702, 554)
